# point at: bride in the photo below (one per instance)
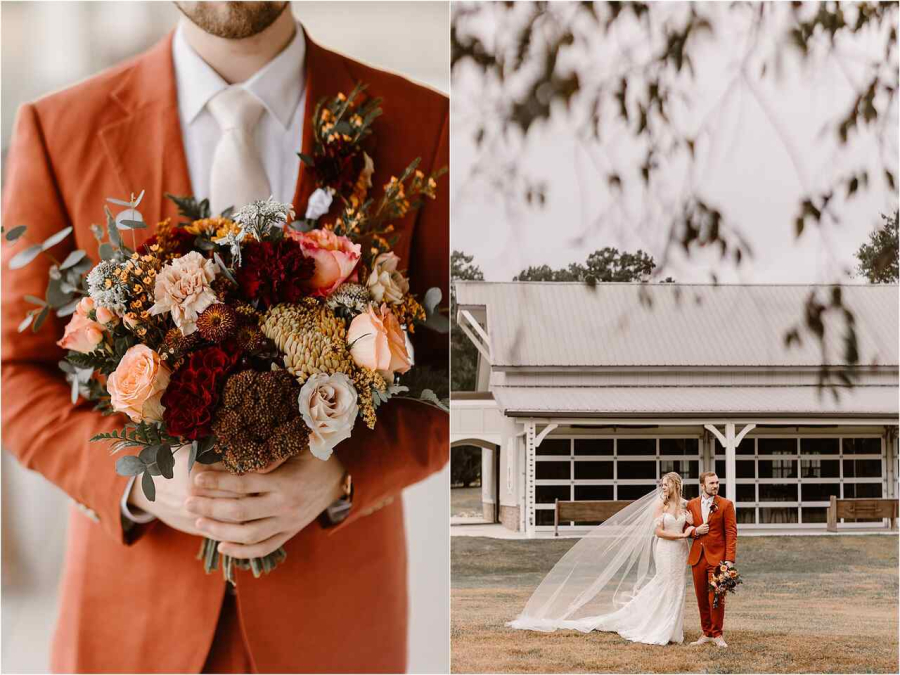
(627, 575)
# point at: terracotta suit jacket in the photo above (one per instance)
(720, 543)
(143, 603)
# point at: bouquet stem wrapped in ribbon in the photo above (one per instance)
(251, 336)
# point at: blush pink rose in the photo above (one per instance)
(336, 258)
(138, 383)
(378, 342)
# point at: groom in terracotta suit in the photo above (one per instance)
(133, 596)
(715, 542)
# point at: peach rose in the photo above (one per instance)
(335, 257)
(138, 383)
(82, 333)
(378, 342)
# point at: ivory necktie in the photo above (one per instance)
(238, 176)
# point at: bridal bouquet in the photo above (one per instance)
(724, 580)
(250, 336)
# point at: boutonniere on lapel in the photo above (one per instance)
(247, 337)
(713, 507)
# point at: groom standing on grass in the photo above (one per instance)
(133, 597)
(715, 542)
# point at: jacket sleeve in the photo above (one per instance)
(411, 439)
(41, 426)
(730, 532)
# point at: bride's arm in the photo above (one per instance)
(660, 529)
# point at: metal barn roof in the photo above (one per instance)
(546, 324)
(874, 401)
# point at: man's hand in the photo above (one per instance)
(171, 494)
(271, 508)
(703, 529)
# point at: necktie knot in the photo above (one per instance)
(235, 108)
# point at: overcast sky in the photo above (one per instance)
(769, 142)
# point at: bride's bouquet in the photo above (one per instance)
(250, 336)
(724, 580)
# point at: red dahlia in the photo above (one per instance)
(193, 392)
(274, 272)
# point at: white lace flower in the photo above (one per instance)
(105, 288)
(259, 217)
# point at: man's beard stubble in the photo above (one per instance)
(232, 20)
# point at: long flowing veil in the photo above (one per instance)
(600, 573)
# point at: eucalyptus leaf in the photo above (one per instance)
(25, 322)
(72, 259)
(66, 367)
(53, 240)
(148, 487)
(74, 390)
(56, 296)
(115, 237)
(39, 321)
(209, 457)
(132, 224)
(119, 202)
(431, 300)
(129, 465)
(67, 310)
(192, 455)
(22, 258)
(16, 232)
(148, 455)
(35, 301)
(54, 273)
(204, 244)
(165, 461)
(97, 231)
(137, 201)
(438, 323)
(153, 469)
(107, 252)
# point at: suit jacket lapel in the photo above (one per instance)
(326, 75)
(144, 144)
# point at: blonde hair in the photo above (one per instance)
(674, 490)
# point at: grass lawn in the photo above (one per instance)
(466, 502)
(807, 605)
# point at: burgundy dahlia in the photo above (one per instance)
(194, 389)
(274, 272)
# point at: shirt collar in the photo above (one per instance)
(707, 498)
(278, 85)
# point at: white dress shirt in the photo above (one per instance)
(280, 86)
(705, 505)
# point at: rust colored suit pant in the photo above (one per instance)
(711, 620)
(228, 653)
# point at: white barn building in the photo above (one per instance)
(594, 392)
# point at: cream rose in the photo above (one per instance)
(378, 342)
(385, 283)
(329, 408)
(183, 288)
(138, 383)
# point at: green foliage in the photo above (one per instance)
(465, 465)
(878, 259)
(604, 265)
(190, 207)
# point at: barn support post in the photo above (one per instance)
(730, 443)
(530, 447)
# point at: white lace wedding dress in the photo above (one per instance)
(656, 614)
